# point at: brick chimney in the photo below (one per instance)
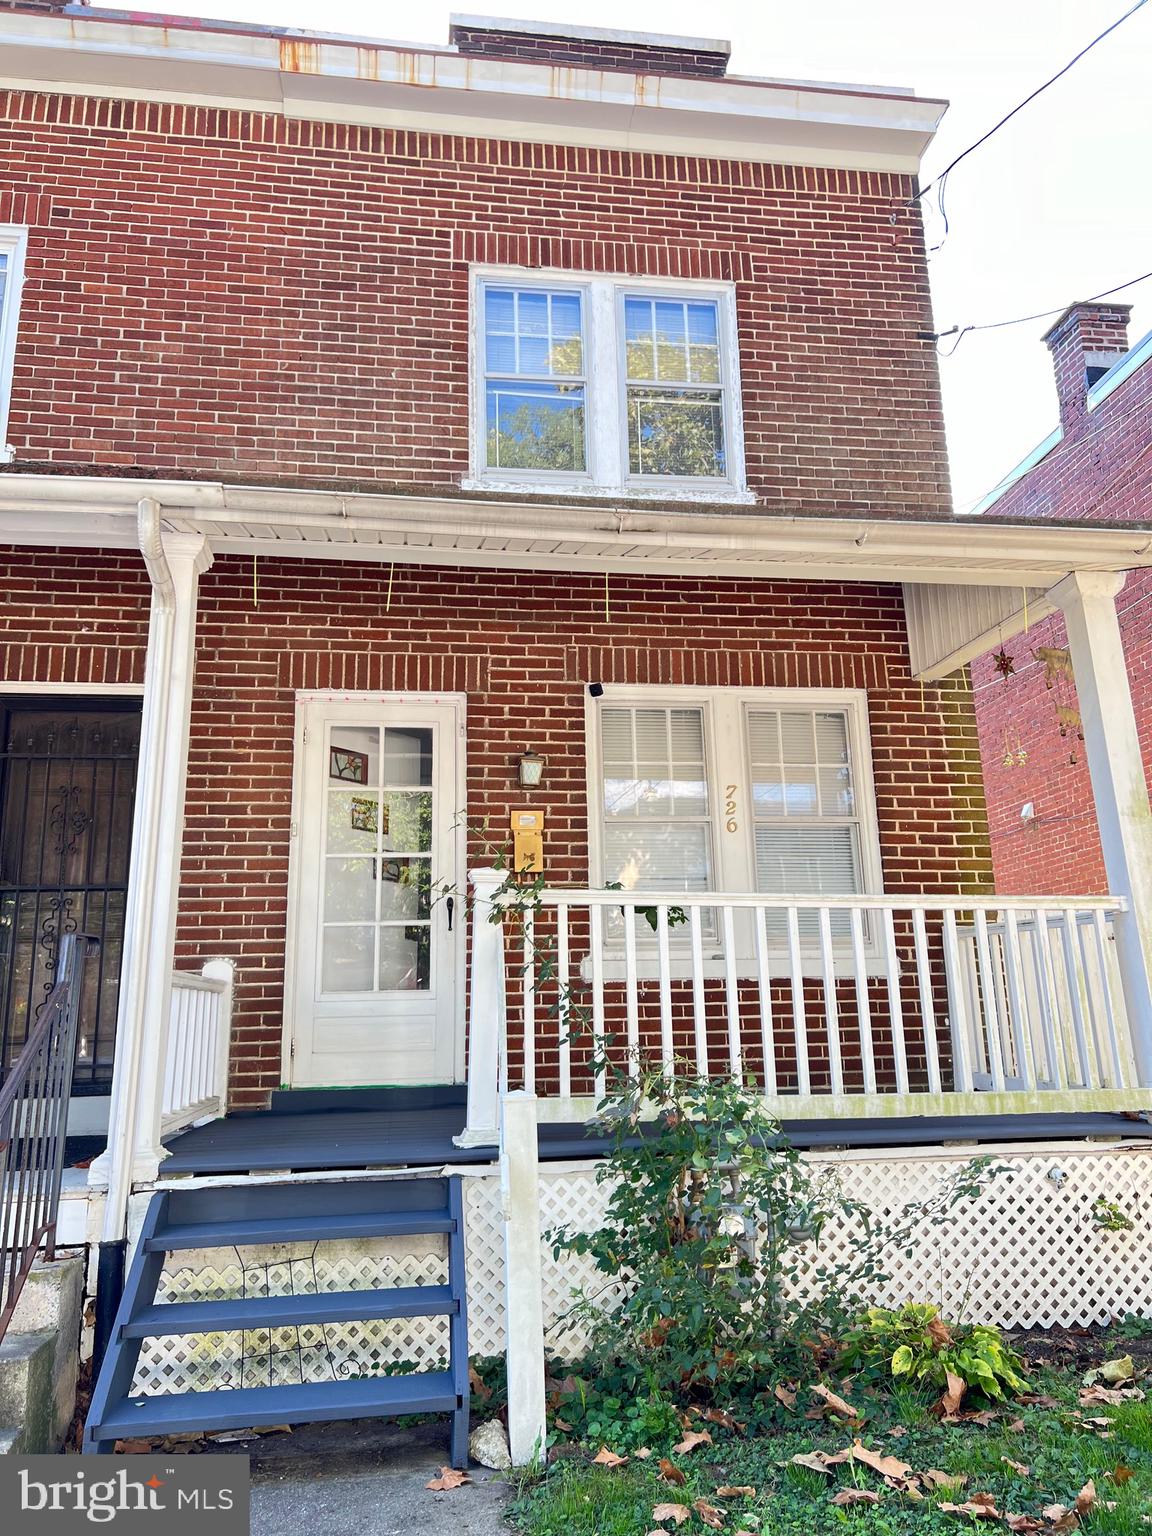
(578, 47)
(1085, 342)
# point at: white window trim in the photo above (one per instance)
(725, 709)
(14, 244)
(602, 296)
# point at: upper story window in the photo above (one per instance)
(12, 241)
(595, 384)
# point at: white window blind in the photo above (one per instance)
(656, 804)
(12, 240)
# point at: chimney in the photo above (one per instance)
(1085, 342)
(579, 47)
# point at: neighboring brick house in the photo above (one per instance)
(1096, 465)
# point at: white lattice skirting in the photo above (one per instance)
(1027, 1253)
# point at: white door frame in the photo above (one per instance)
(456, 701)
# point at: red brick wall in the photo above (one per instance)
(212, 294)
(589, 53)
(523, 646)
(1102, 469)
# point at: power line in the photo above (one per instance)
(1008, 116)
(960, 331)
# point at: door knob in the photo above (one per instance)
(451, 905)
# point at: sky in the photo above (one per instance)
(1055, 208)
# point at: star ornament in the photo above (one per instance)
(1004, 663)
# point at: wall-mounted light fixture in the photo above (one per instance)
(531, 769)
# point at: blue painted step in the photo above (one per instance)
(250, 1312)
(239, 1215)
(376, 1397)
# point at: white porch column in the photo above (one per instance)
(520, 1188)
(486, 1014)
(1119, 786)
(175, 563)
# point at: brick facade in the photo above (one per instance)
(523, 647)
(217, 294)
(1102, 468)
(589, 52)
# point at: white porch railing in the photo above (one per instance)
(835, 1006)
(199, 1027)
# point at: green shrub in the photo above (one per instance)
(914, 1344)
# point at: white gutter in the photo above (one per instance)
(131, 1018)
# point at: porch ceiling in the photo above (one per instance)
(713, 540)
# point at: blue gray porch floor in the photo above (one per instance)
(332, 1138)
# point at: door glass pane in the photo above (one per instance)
(349, 890)
(353, 821)
(406, 819)
(407, 757)
(348, 954)
(354, 754)
(405, 888)
(404, 958)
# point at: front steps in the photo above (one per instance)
(39, 1356)
(248, 1215)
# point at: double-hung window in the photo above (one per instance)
(12, 241)
(600, 384)
(745, 791)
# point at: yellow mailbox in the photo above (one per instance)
(527, 842)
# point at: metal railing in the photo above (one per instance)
(34, 1125)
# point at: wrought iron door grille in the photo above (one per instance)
(67, 788)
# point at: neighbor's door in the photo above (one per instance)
(379, 923)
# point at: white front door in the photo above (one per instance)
(376, 945)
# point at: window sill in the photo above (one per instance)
(664, 491)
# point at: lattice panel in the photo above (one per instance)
(281, 1356)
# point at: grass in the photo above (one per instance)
(576, 1498)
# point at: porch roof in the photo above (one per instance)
(706, 539)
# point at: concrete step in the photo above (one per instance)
(26, 1396)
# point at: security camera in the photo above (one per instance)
(596, 690)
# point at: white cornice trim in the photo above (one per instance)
(68, 511)
(389, 85)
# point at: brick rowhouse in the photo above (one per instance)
(239, 297)
(1101, 468)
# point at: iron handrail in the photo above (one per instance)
(34, 1126)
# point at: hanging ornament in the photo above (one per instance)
(1057, 663)
(1013, 753)
(1004, 663)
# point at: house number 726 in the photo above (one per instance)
(731, 824)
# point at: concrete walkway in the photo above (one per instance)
(366, 1478)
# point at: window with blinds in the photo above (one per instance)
(12, 239)
(656, 799)
(807, 837)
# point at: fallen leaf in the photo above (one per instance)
(836, 1404)
(712, 1517)
(887, 1466)
(939, 1334)
(691, 1440)
(1121, 1475)
(1037, 1400)
(783, 1395)
(739, 1491)
(476, 1382)
(606, 1458)
(670, 1473)
(897, 1431)
(1085, 1498)
(949, 1404)
(937, 1479)
(1017, 1466)
(1015, 1428)
(1023, 1523)
(1116, 1371)
(855, 1496)
(449, 1478)
(677, 1512)
(981, 1506)
(1098, 1394)
(819, 1461)
(722, 1417)
(133, 1447)
(1100, 1421)
(642, 1454)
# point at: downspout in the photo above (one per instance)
(131, 1023)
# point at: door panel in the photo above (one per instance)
(375, 954)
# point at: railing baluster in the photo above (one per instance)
(699, 1002)
(863, 1002)
(988, 998)
(732, 998)
(957, 1006)
(529, 983)
(667, 1039)
(927, 1003)
(764, 981)
(831, 1012)
(596, 939)
(1020, 1014)
(799, 1022)
(631, 992)
(895, 1005)
(563, 1001)
(1070, 942)
(1049, 1000)
(1119, 1066)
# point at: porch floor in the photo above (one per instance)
(332, 1139)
